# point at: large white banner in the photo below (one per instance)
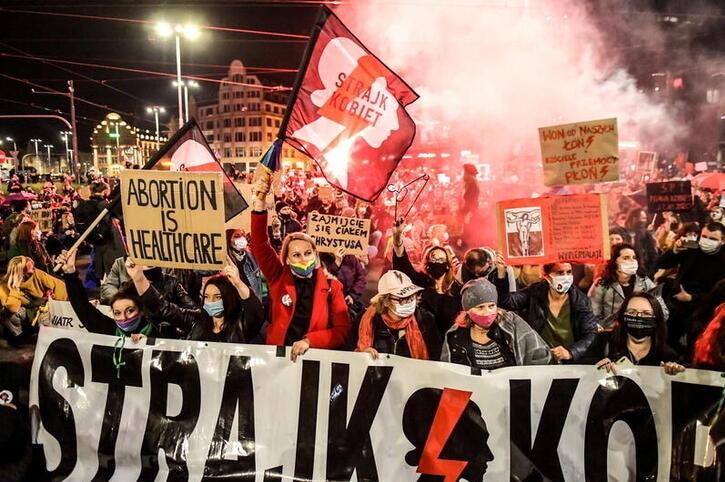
(176, 410)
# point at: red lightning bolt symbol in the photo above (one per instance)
(450, 409)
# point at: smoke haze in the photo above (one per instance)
(493, 72)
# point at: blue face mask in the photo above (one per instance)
(214, 308)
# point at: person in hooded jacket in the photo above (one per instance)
(231, 312)
(488, 337)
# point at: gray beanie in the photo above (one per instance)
(476, 292)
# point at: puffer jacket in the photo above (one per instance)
(520, 344)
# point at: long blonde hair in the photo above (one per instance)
(16, 271)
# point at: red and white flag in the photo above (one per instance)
(348, 112)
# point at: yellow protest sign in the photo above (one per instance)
(580, 153)
(174, 219)
(332, 232)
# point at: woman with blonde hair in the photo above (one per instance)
(307, 309)
(24, 292)
(395, 324)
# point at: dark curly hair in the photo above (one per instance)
(609, 273)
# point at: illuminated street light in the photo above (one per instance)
(190, 32)
(186, 85)
(10, 139)
(49, 147)
(36, 141)
(156, 109)
(65, 135)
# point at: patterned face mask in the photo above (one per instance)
(303, 269)
(129, 324)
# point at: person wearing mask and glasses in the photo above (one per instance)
(394, 323)
(639, 337)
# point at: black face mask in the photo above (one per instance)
(639, 326)
(436, 270)
(284, 216)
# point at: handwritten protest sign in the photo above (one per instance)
(580, 153)
(174, 219)
(560, 228)
(669, 196)
(44, 218)
(332, 232)
(646, 161)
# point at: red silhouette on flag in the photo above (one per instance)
(348, 112)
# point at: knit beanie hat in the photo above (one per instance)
(476, 292)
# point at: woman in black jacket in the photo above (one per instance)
(126, 305)
(231, 312)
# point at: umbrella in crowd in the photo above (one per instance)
(19, 196)
(712, 180)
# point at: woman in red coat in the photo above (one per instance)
(307, 310)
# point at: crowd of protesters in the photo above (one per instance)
(444, 291)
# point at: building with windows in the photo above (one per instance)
(244, 120)
(117, 145)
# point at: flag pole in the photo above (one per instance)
(322, 17)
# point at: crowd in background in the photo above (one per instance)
(431, 283)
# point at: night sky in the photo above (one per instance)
(43, 45)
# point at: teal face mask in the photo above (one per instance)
(214, 308)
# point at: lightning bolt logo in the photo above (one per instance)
(451, 407)
(603, 171)
(337, 106)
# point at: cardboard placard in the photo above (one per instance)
(174, 219)
(646, 161)
(554, 229)
(669, 196)
(580, 153)
(44, 218)
(332, 232)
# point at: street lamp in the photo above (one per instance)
(156, 109)
(186, 84)
(65, 135)
(35, 141)
(49, 147)
(189, 31)
(10, 139)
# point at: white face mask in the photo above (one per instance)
(628, 267)
(561, 284)
(404, 310)
(240, 243)
(709, 246)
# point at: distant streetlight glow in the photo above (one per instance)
(156, 109)
(188, 31)
(186, 84)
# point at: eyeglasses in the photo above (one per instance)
(646, 314)
(402, 301)
(442, 259)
